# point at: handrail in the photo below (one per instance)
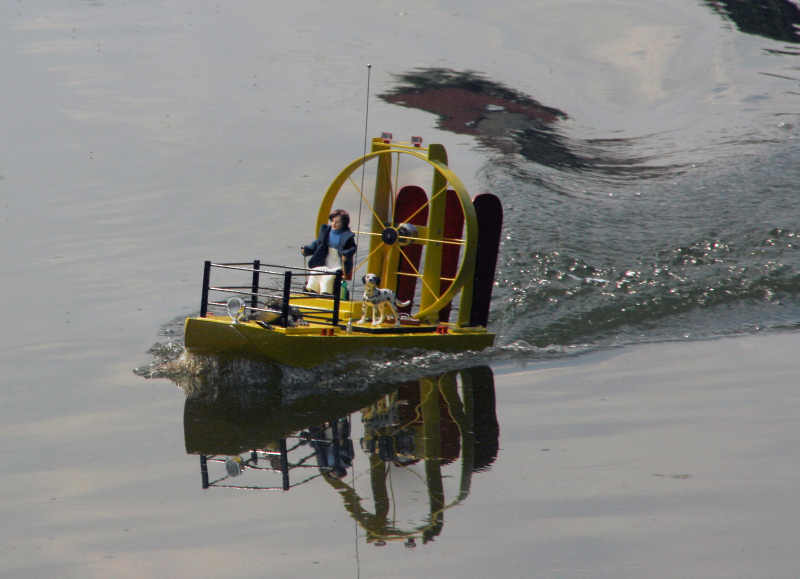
(279, 296)
(239, 266)
(236, 290)
(255, 309)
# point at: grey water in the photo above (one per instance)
(647, 160)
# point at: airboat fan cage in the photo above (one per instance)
(422, 244)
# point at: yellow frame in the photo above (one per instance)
(432, 300)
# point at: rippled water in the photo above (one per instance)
(712, 250)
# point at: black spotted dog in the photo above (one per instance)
(380, 300)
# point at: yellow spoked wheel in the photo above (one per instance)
(384, 172)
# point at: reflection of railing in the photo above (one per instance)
(331, 448)
(270, 289)
(277, 461)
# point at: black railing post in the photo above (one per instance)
(287, 288)
(206, 280)
(204, 470)
(337, 290)
(337, 447)
(284, 464)
(254, 296)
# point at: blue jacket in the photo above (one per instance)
(318, 249)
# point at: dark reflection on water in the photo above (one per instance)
(439, 429)
(775, 19)
(509, 121)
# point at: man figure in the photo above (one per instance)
(336, 235)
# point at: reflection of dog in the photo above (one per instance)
(379, 299)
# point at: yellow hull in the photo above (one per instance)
(312, 345)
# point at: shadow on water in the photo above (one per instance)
(774, 19)
(510, 122)
(437, 431)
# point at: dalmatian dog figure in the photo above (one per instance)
(380, 300)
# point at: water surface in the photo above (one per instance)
(651, 197)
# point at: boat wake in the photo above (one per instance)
(215, 376)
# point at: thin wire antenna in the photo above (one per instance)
(364, 153)
(361, 199)
(355, 529)
(366, 111)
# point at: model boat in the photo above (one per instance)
(436, 252)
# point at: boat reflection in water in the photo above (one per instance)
(423, 439)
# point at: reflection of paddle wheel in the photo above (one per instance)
(394, 427)
(428, 249)
(419, 433)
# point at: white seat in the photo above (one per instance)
(322, 284)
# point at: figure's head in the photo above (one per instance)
(340, 219)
